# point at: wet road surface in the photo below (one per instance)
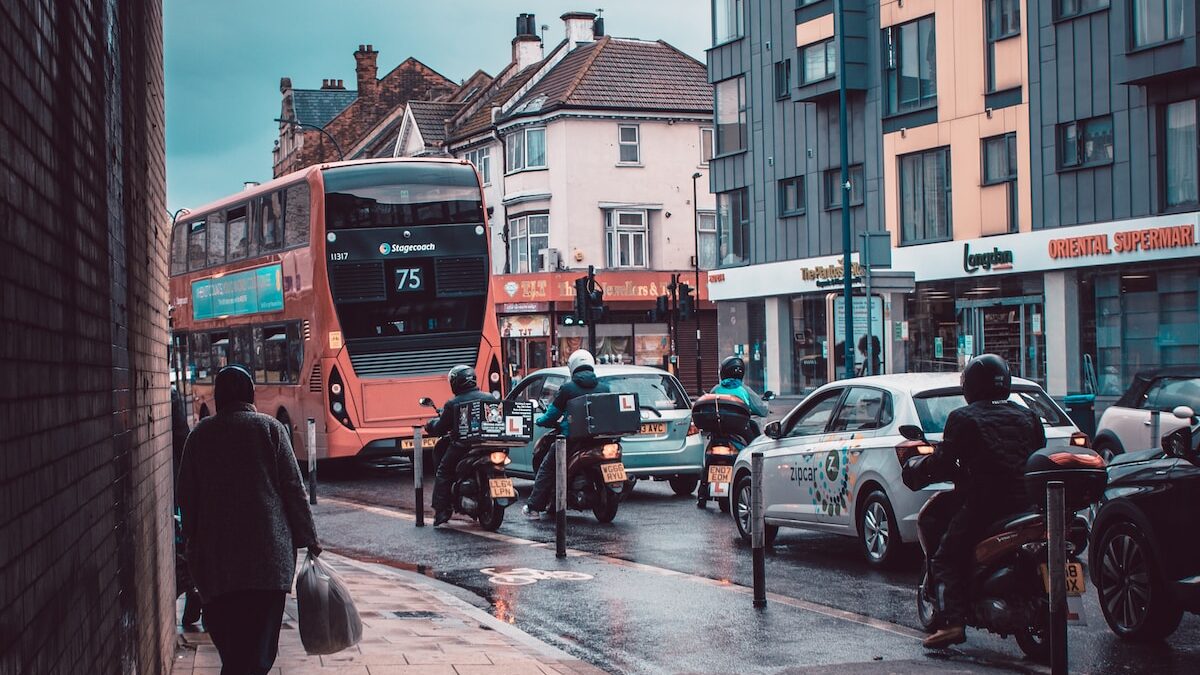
(667, 588)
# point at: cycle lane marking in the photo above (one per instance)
(809, 606)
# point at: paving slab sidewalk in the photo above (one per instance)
(411, 626)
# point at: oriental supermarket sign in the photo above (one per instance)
(1126, 241)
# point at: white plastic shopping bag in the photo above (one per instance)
(329, 621)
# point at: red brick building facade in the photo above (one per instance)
(86, 531)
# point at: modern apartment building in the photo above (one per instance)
(1034, 162)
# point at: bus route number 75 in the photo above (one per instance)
(409, 280)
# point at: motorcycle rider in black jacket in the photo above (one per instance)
(984, 447)
(465, 388)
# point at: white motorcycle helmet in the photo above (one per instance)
(580, 358)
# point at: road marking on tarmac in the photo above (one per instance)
(816, 608)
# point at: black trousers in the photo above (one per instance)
(244, 627)
(444, 477)
(955, 556)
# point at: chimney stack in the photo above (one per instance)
(366, 69)
(526, 46)
(580, 28)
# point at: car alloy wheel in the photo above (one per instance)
(1133, 596)
(876, 531)
(744, 499)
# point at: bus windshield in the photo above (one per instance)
(401, 195)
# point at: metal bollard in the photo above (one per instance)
(560, 498)
(1056, 523)
(311, 443)
(419, 474)
(1155, 429)
(758, 535)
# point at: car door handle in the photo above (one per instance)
(1147, 423)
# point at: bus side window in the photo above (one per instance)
(179, 248)
(260, 373)
(295, 353)
(200, 358)
(274, 350)
(220, 350)
(270, 223)
(197, 245)
(216, 239)
(242, 351)
(239, 244)
(296, 223)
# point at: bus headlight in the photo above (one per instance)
(335, 389)
(337, 399)
(338, 407)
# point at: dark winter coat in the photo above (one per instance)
(445, 423)
(244, 508)
(582, 383)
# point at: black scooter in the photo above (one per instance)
(1008, 579)
(481, 487)
(729, 427)
(596, 477)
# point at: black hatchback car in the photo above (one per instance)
(1144, 555)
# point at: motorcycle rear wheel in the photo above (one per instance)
(927, 610)
(491, 515)
(1035, 643)
(605, 505)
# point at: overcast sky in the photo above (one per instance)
(224, 59)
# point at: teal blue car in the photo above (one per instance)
(667, 448)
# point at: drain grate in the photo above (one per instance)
(415, 615)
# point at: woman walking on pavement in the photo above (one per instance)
(245, 512)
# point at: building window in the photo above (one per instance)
(481, 159)
(1156, 21)
(1067, 8)
(1182, 187)
(526, 149)
(791, 196)
(1004, 19)
(1085, 143)
(706, 223)
(528, 236)
(727, 20)
(1000, 168)
(706, 145)
(925, 197)
(833, 187)
(820, 61)
(731, 115)
(627, 237)
(783, 79)
(733, 228)
(628, 139)
(910, 66)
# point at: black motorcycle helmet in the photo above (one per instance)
(733, 367)
(462, 379)
(986, 378)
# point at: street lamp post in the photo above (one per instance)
(696, 226)
(302, 125)
(844, 147)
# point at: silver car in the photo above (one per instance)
(831, 463)
(666, 448)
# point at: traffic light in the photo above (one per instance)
(596, 302)
(687, 303)
(571, 320)
(662, 309)
(581, 297)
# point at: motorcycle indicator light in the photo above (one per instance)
(611, 450)
(721, 450)
(1081, 440)
(499, 457)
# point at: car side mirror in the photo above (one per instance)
(1184, 412)
(912, 432)
(773, 430)
(537, 405)
(768, 395)
(1180, 443)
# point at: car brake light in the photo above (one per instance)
(1081, 440)
(721, 450)
(692, 430)
(909, 449)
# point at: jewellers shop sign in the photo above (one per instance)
(994, 260)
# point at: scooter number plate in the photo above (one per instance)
(502, 487)
(720, 474)
(613, 473)
(1076, 582)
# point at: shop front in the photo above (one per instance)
(536, 314)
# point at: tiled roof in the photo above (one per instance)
(623, 74)
(481, 119)
(431, 117)
(318, 106)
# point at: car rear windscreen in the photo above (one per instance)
(935, 407)
(661, 392)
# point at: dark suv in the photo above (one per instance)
(1144, 555)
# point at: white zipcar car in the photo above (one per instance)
(831, 464)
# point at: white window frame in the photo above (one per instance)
(520, 160)
(636, 144)
(706, 225)
(481, 159)
(634, 238)
(524, 244)
(712, 147)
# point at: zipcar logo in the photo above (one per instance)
(385, 248)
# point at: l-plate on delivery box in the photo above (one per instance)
(604, 415)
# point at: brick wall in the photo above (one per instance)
(86, 566)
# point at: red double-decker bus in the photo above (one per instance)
(349, 290)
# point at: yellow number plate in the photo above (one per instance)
(502, 487)
(653, 429)
(720, 474)
(1076, 583)
(426, 442)
(613, 473)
